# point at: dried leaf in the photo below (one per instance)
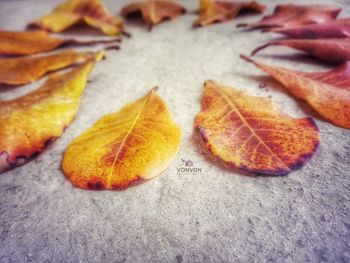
(124, 148)
(221, 11)
(28, 123)
(328, 92)
(154, 11)
(334, 50)
(72, 12)
(250, 134)
(294, 15)
(339, 28)
(22, 70)
(32, 42)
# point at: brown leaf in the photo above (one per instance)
(328, 49)
(328, 92)
(32, 42)
(293, 15)
(154, 11)
(30, 122)
(250, 134)
(22, 70)
(221, 11)
(339, 28)
(71, 12)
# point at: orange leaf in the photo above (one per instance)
(154, 11)
(250, 134)
(71, 12)
(22, 70)
(28, 123)
(32, 42)
(338, 28)
(221, 11)
(295, 15)
(328, 49)
(328, 93)
(124, 148)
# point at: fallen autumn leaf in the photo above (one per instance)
(71, 12)
(154, 11)
(339, 28)
(250, 134)
(328, 93)
(220, 11)
(32, 42)
(288, 15)
(124, 148)
(30, 122)
(23, 70)
(334, 50)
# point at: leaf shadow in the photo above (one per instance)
(84, 30)
(8, 87)
(135, 19)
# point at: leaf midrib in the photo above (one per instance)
(132, 126)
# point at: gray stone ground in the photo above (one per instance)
(214, 216)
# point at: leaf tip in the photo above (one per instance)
(208, 82)
(100, 55)
(155, 89)
(126, 34)
(4, 164)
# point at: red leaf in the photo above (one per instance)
(328, 92)
(332, 49)
(339, 28)
(294, 15)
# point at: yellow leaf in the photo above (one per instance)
(28, 123)
(71, 12)
(211, 11)
(22, 70)
(250, 134)
(124, 148)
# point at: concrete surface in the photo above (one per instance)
(212, 216)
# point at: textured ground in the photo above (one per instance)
(213, 216)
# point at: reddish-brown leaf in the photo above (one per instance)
(154, 11)
(221, 11)
(251, 134)
(328, 92)
(293, 15)
(32, 42)
(328, 49)
(339, 28)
